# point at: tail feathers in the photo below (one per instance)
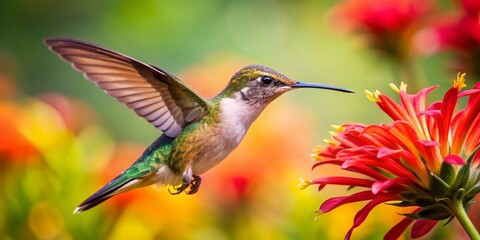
(118, 185)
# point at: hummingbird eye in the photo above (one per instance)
(267, 80)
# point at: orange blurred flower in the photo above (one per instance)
(75, 114)
(14, 145)
(212, 75)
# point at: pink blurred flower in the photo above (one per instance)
(388, 24)
(426, 158)
(461, 35)
(470, 7)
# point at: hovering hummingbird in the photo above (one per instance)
(198, 133)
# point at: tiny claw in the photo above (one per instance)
(179, 189)
(194, 185)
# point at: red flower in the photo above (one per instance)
(461, 35)
(426, 158)
(470, 7)
(388, 24)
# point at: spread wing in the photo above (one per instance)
(153, 94)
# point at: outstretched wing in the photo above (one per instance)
(153, 94)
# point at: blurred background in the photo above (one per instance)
(61, 138)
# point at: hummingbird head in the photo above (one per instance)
(259, 85)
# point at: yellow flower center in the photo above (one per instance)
(338, 128)
(374, 97)
(403, 87)
(304, 183)
(459, 82)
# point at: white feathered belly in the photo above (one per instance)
(234, 119)
(215, 142)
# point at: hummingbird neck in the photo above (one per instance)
(236, 113)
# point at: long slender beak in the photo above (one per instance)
(322, 86)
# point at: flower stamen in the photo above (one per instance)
(338, 128)
(304, 183)
(374, 97)
(459, 82)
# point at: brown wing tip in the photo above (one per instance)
(55, 43)
(61, 41)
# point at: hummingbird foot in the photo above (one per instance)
(194, 185)
(181, 188)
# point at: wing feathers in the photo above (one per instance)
(146, 110)
(108, 85)
(157, 115)
(152, 93)
(144, 102)
(160, 120)
(138, 97)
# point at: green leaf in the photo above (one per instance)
(439, 187)
(351, 187)
(425, 201)
(473, 179)
(410, 215)
(474, 191)
(434, 213)
(402, 204)
(470, 158)
(448, 221)
(408, 195)
(447, 173)
(462, 176)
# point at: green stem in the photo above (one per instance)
(460, 213)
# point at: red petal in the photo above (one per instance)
(363, 213)
(391, 108)
(473, 138)
(385, 152)
(319, 163)
(430, 112)
(422, 227)
(380, 186)
(396, 231)
(476, 159)
(454, 160)
(349, 181)
(447, 108)
(388, 165)
(335, 202)
(469, 92)
(406, 134)
(428, 143)
(401, 154)
(419, 99)
(466, 126)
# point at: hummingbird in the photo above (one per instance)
(198, 133)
